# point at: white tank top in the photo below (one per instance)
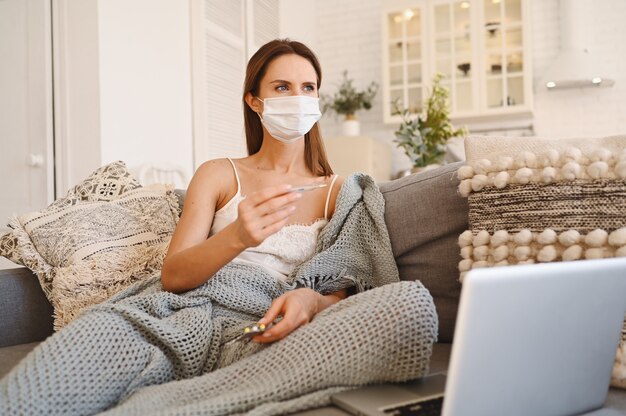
(282, 251)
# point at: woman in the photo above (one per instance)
(281, 96)
(248, 250)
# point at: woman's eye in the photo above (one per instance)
(281, 88)
(309, 88)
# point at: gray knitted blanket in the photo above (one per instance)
(146, 351)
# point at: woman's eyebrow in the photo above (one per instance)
(282, 81)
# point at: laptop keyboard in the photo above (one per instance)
(430, 407)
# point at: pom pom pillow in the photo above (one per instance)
(105, 234)
(540, 200)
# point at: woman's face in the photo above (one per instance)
(288, 75)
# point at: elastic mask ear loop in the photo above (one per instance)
(257, 113)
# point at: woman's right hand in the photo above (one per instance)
(263, 213)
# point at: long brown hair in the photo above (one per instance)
(314, 152)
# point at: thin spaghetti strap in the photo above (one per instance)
(330, 188)
(236, 175)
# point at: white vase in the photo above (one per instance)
(351, 127)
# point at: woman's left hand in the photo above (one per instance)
(297, 307)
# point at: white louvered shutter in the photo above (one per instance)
(264, 24)
(225, 34)
(218, 80)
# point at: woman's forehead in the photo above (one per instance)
(292, 67)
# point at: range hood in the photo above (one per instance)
(575, 66)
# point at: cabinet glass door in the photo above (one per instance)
(453, 52)
(404, 62)
(479, 46)
(504, 53)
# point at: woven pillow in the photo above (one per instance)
(104, 184)
(539, 200)
(105, 234)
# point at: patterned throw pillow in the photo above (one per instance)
(538, 200)
(105, 234)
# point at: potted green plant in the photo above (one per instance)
(423, 137)
(347, 101)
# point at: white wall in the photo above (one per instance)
(145, 82)
(122, 85)
(586, 112)
(76, 91)
(348, 36)
(298, 21)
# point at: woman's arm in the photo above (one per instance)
(187, 264)
(192, 258)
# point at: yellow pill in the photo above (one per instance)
(262, 326)
(246, 330)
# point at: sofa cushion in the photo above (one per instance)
(104, 184)
(105, 234)
(424, 215)
(26, 314)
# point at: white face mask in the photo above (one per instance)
(289, 118)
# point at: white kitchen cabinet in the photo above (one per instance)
(481, 46)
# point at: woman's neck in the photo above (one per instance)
(281, 157)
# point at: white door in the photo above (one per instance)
(26, 141)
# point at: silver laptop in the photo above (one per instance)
(529, 340)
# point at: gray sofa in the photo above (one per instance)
(424, 215)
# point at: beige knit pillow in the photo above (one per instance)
(540, 200)
(104, 184)
(104, 235)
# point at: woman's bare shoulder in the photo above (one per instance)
(208, 182)
(338, 183)
(213, 166)
(334, 193)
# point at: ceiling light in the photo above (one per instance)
(579, 83)
(408, 13)
(465, 5)
(397, 18)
